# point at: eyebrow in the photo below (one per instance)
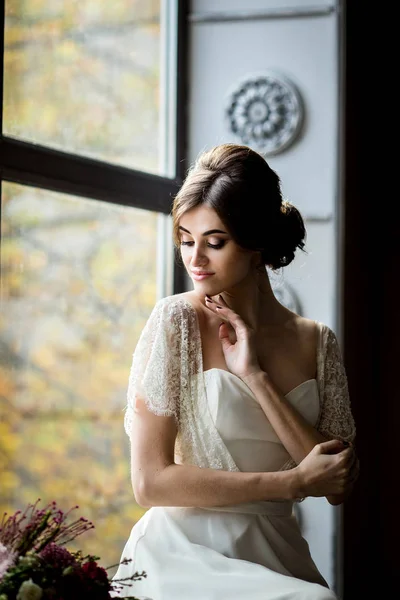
(209, 232)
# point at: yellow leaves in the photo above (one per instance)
(37, 259)
(78, 462)
(149, 288)
(49, 115)
(76, 286)
(7, 383)
(12, 254)
(44, 357)
(77, 78)
(15, 34)
(9, 481)
(10, 442)
(88, 285)
(39, 465)
(67, 50)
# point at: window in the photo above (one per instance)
(91, 156)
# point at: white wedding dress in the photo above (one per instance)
(252, 551)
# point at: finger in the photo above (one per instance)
(230, 315)
(345, 458)
(353, 459)
(348, 456)
(213, 307)
(223, 333)
(351, 472)
(331, 447)
(212, 304)
(222, 302)
(226, 313)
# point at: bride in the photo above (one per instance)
(237, 407)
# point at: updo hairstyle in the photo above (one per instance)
(245, 192)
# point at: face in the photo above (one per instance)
(213, 260)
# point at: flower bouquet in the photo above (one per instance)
(36, 565)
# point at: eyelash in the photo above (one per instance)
(213, 246)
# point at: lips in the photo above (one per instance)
(200, 275)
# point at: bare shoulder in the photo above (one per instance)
(305, 325)
(306, 330)
(313, 331)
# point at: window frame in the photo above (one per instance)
(42, 167)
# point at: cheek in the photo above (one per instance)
(185, 254)
(238, 264)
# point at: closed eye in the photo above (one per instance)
(218, 246)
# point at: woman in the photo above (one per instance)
(237, 407)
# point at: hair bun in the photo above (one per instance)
(288, 235)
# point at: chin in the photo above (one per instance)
(206, 287)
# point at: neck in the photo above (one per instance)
(255, 301)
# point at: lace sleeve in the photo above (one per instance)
(335, 419)
(155, 371)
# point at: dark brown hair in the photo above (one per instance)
(245, 192)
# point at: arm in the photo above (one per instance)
(295, 433)
(158, 481)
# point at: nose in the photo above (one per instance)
(199, 258)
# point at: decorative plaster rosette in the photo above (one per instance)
(265, 112)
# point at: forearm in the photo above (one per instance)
(298, 436)
(186, 485)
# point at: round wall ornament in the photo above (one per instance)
(265, 112)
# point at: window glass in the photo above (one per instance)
(78, 281)
(91, 77)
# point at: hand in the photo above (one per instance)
(240, 355)
(326, 471)
(337, 499)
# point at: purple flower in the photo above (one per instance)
(57, 556)
(34, 529)
(34, 560)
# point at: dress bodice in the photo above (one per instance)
(218, 420)
(242, 424)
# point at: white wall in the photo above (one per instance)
(303, 48)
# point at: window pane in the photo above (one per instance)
(91, 77)
(79, 279)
